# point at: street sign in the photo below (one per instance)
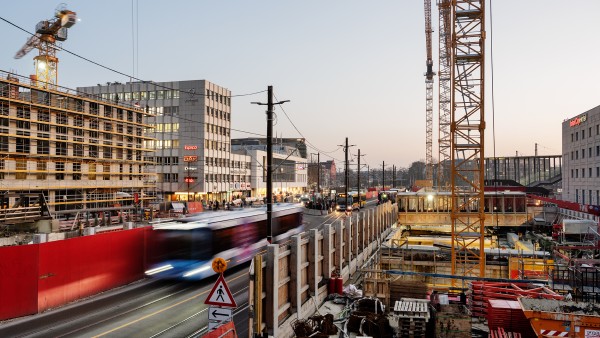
(220, 294)
(219, 314)
(219, 265)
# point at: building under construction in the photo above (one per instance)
(64, 154)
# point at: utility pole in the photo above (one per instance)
(358, 180)
(269, 168)
(346, 181)
(383, 178)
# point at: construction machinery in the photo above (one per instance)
(467, 133)
(48, 34)
(444, 67)
(428, 95)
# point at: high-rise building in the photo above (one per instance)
(67, 153)
(189, 135)
(581, 158)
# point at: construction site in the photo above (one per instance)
(470, 251)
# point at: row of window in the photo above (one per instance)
(64, 170)
(24, 112)
(164, 128)
(45, 147)
(211, 128)
(575, 135)
(575, 154)
(575, 172)
(167, 111)
(93, 124)
(216, 145)
(212, 112)
(589, 200)
(145, 95)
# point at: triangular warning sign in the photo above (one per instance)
(220, 294)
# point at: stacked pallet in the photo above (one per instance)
(411, 316)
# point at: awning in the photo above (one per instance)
(178, 207)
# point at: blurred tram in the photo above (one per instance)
(185, 248)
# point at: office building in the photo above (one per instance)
(189, 135)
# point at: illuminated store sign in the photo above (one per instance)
(190, 158)
(186, 147)
(577, 121)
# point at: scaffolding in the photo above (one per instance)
(82, 154)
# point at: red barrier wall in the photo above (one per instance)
(18, 280)
(83, 266)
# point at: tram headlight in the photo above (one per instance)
(197, 271)
(159, 269)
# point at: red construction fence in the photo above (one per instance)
(37, 277)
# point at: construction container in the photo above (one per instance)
(555, 318)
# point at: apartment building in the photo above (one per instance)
(80, 153)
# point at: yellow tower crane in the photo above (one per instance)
(467, 133)
(428, 96)
(48, 33)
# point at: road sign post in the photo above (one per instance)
(220, 298)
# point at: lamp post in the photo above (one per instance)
(318, 171)
(269, 105)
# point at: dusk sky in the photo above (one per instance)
(350, 68)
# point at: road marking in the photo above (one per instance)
(162, 310)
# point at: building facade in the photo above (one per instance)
(81, 153)
(190, 138)
(290, 171)
(581, 158)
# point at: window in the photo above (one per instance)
(583, 134)
(590, 152)
(576, 136)
(590, 135)
(43, 147)
(597, 150)
(60, 168)
(22, 145)
(41, 173)
(572, 156)
(597, 171)
(582, 154)
(576, 173)
(61, 148)
(106, 172)
(3, 143)
(572, 173)
(77, 171)
(582, 172)
(62, 118)
(78, 150)
(107, 152)
(576, 154)
(2, 167)
(590, 172)
(93, 151)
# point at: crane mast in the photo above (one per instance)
(428, 95)
(48, 33)
(445, 54)
(467, 134)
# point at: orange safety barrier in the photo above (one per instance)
(226, 330)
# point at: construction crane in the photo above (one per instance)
(47, 34)
(467, 133)
(444, 68)
(428, 96)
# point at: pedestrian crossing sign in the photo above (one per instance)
(220, 294)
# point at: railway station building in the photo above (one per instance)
(581, 158)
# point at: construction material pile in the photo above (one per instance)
(508, 315)
(482, 292)
(368, 319)
(315, 326)
(411, 316)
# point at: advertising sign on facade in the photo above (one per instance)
(190, 158)
(187, 147)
